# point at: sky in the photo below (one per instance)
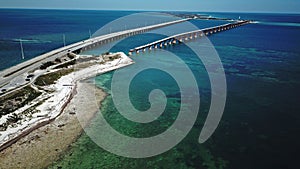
(272, 6)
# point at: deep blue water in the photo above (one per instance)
(260, 127)
(44, 30)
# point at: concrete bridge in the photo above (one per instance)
(7, 75)
(179, 38)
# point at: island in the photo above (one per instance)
(41, 116)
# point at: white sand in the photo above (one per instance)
(48, 141)
(44, 145)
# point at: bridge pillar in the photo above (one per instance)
(161, 45)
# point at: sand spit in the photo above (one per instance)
(44, 145)
(38, 145)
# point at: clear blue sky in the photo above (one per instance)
(288, 6)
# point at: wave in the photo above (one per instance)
(25, 40)
(255, 22)
(280, 23)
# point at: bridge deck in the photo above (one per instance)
(8, 74)
(187, 34)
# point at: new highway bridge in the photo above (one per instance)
(7, 75)
(13, 77)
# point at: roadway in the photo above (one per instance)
(19, 71)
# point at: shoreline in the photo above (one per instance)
(54, 102)
(39, 144)
(39, 124)
(54, 138)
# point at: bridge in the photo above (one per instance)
(179, 38)
(7, 75)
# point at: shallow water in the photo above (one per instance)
(260, 125)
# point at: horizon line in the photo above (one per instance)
(144, 10)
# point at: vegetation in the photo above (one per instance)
(57, 60)
(66, 65)
(12, 119)
(17, 99)
(71, 56)
(46, 65)
(112, 57)
(51, 78)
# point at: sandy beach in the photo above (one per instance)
(45, 145)
(41, 142)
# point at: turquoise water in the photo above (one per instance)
(260, 125)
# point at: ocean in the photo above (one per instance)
(260, 125)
